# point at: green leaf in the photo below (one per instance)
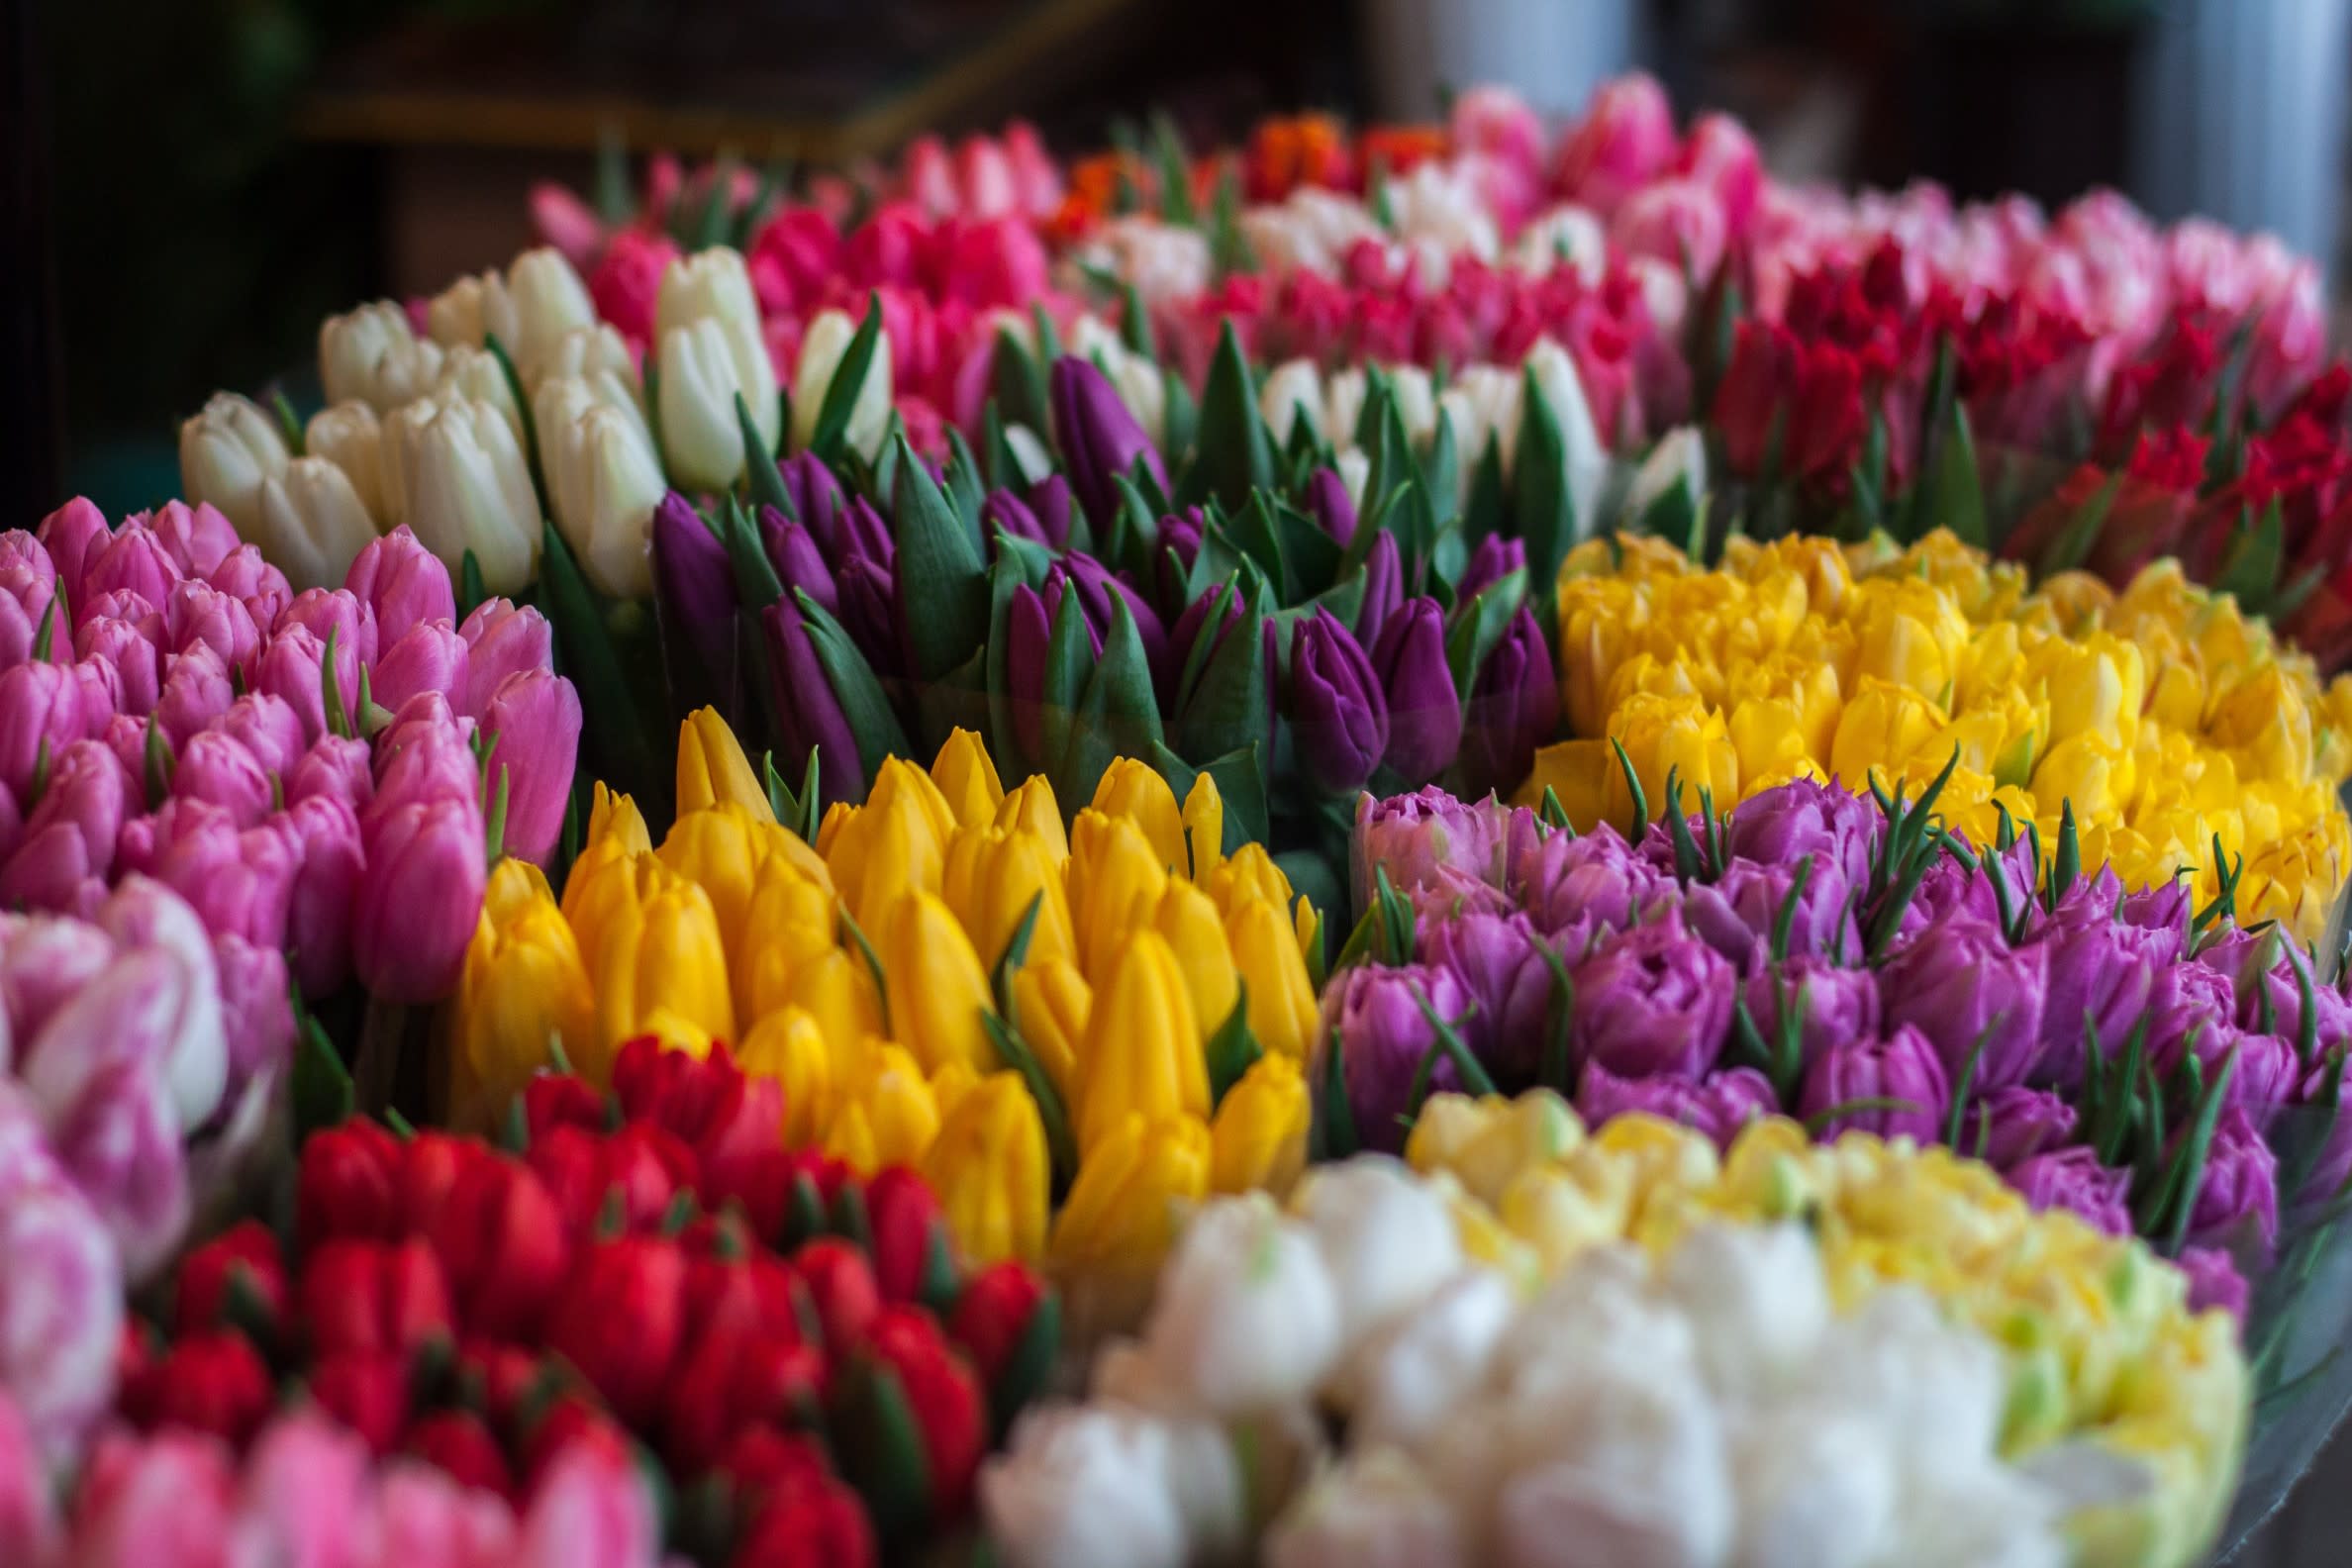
(1237, 455)
(1232, 1050)
(756, 584)
(2073, 543)
(763, 481)
(1175, 175)
(938, 568)
(871, 719)
(1540, 502)
(2251, 572)
(832, 433)
(289, 422)
(1228, 707)
(522, 414)
(324, 1095)
(472, 592)
(881, 1449)
(1054, 1115)
(1254, 532)
(1484, 516)
(591, 662)
(1182, 417)
(1024, 1374)
(1019, 384)
(1333, 1134)
(1069, 651)
(1135, 322)
(46, 638)
(339, 722)
(966, 490)
(1120, 713)
(1953, 494)
(1479, 626)
(1311, 555)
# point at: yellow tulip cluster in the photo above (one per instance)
(2162, 714)
(863, 973)
(2102, 1346)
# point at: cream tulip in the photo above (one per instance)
(463, 486)
(371, 354)
(712, 350)
(531, 307)
(1294, 391)
(475, 376)
(1587, 458)
(349, 436)
(309, 523)
(603, 482)
(822, 348)
(228, 452)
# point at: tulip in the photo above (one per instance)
(522, 983)
(988, 1164)
(1415, 838)
(1837, 1004)
(2236, 1207)
(71, 537)
(1051, 1004)
(1513, 706)
(934, 985)
(711, 351)
(1258, 1137)
(463, 488)
(822, 346)
(429, 656)
(1383, 1036)
(1120, 1214)
(711, 769)
(1425, 712)
(884, 1112)
(228, 452)
(2100, 969)
(310, 521)
(809, 716)
(650, 940)
(243, 575)
(1329, 504)
(348, 436)
(621, 1321)
(1496, 558)
(1086, 1483)
(788, 1046)
(1498, 960)
(603, 481)
(373, 356)
(1784, 824)
(501, 640)
(132, 658)
(1336, 707)
(2074, 1179)
(196, 611)
(415, 908)
(535, 719)
(1099, 441)
(1718, 1106)
(70, 834)
(695, 587)
(1655, 1001)
(220, 770)
(529, 310)
(989, 880)
(1903, 1067)
(43, 711)
(427, 757)
(373, 1297)
(402, 585)
(64, 1286)
(1143, 1051)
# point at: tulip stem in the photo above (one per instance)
(1632, 787)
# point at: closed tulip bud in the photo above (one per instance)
(215, 767)
(501, 640)
(1293, 392)
(598, 354)
(197, 613)
(136, 663)
(417, 901)
(789, 1047)
(71, 537)
(991, 877)
(350, 437)
(837, 988)
(1139, 793)
(1901, 1067)
(897, 841)
(228, 451)
(1267, 950)
(1336, 707)
(811, 718)
(1258, 1137)
(823, 344)
(1661, 734)
(1099, 437)
(711, 769)
(988, 1166)
(1115, 879)
(934, 984)
(373, 356)
(463, 486)
(884, 1111)
(711, 351)
(531, 309)
(1194, 933)
(1031, 804)
(1052, 1004)
(1143, 1051)
(1585, 454)
(602, 483)
(967, 779)
(43, 711)
(1424, 710)
(523, 985)
(311, 522)
(134, 558)
(473, 377)
(788, 921)
(650, 941)
(536, 719)
(1123, 1210)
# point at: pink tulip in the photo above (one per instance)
(143, 912)
(352, 619)
(197, 612)
(44, 962)
(402, 583)
(1625, 139)
(1719, 155)
(163, 1501)
(319, 913)
(427, 1520)
(290, 672)
(127, 738)
(237, 881)
(29, 1528)
(1678, 220)
(72, 534)
(120, 1144)
(429, 656)
(26, 581)
(61, 1295)
(196, 691)
(567, 222)
(221, 769)
(628, 280)
(419, 898)
(930, 176)
(71, 835)
(134, 558)
(306, 1493)
(501, 639)
(337, 767)
(197, 538)
(591, 1511)
(536, 717)
(138, 667)
(43, 709)
(425, 763)
(1497, 123)
(123, 605)
(257, 1011)
(244, 574)
(269, 729)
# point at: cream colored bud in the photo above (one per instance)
(228, 452)
(349, 436)
(311, 522)
(464, 486)
(822, 348)
(371, 354)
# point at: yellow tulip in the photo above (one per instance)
(523, 986)
(1579, 773)
(1051, 1004)
(990, 878)
(837, 988)
(2090, 770)
(988, 1165)
(1913, 635)
(2096, 685)
(676, 1030)
(1663, 734)
(1031, 806)
(788, 1046)
(1267, 949)
(1188, 919)
(1130, 1195)
(791, 920)
(1258, 1137)
(615, 833)
(1250, 872)
(885, 848)
(934, 984)
(949, 1083)
(1883, 728)
(2259, 719)
(1203, 826)
(1115, 879)
(883, 1112)
(725, 850)
(1136, 791)
(968, 781)
(1306, 927)
(1487, 1143)
(711, 769)
(1142, 1049)
(649, 940)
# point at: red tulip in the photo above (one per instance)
(367, 1391)
(456, 1444)
(213, 1381)
(238, 1270)
(345, 1187)
(942, 1396)
(373, 1297)
(621, 1320)
(733, 1379)
(502, 1242)
(909, 1236)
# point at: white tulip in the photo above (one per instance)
(1376, 1511)
(1344, 403)
(228, 452)
(1292, 391)
(146, 916)
(1995, 1516)
(1756, 1302)
(1571, 1516)
(1029, 453)
(476, 376)
(348, 436)
(1439, 210)
(595, 352)
(1355, 471)
(1416, 404)
(822, 348)
(711, 349)
(1665, 294)
(463, 486)
(1816, 1491)
(1408, 1376)
(1587, 460)
(1384, 1233)
(1144, 390)
(1680, 457)
(603, 482)
(1164, 262)
(470, 310)
(1245, 1319)
(1482, 402)
(1935, 1387)
(531, 308)
(312, 524)
(1569, 236)
(1079, 1486)
(373, 355)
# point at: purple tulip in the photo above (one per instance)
(798, 562)
(324, 831)
(693, 585)
(1384, 586)
(1096, 585)
(502, 641)
(1050, 500)
(1901, 1067)
(1514, 706)
(244, 574)
(2102, 970)
(1840, 1005)
(870, 614)
(1454, 894)
(290, 672)
(1595, 881)
(1002, 509)
(417, 899)
(1336, 710)
(2011, 1125)
(2281, 983)
(1719, 1105)
(257, 1011)
(345, 613)
(1180, 537)
(197, 538)
(220, 770)
(1028, 634)
(1496, 958)
(429, 656)
(808, 712)
(1961, 982)
(1383, 1038)
(72, 535)
(2214, 1281)
(43, 709)
(2190, 1002)
(1495, 558)
(1651, 1001)
(196, 691)
(402, 583)
(1783, 824)
(2237, 1202)
(536, 719)
(1425, 712)
(1736, 914)
(2166, 906)
(1328, 503)
(1413, 838)
(1099, 439)
(2073, 1178)
(818, 500)
(2237, 954)
(1187, 629)
(137, 667)
(68, 842)
(1950, 887)
(134, 558)
(337, 769)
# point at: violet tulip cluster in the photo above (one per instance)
(2148, 1065)
(314, 773)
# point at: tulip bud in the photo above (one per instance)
(712, 350)
(1143, 1050)
(536, 719)
(531, 309)
(228, 451)
(373, 356)
(1425, 712)
(348, 436)
(1680, 457)
(1120, 1214)
(1292, 391)
(1099, 439)
(713, 769)
(311, 522)
(417, 901)
(134, 558)
(463, 486)
(823, 344)
(651, 941)
(196, 611)
(935, 987)
(885, 1113)
(502, 641)
(602, 483)
(1337, 706)
(989, 1165)
(43, 711)
(1258, 1137)
(71, 537)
